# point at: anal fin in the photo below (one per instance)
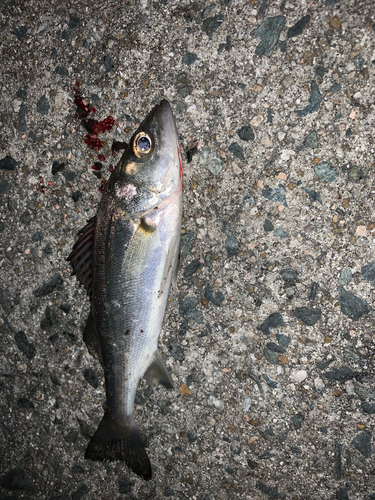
(158, 372)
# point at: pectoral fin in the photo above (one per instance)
(158, 372)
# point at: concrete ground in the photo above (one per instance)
(270, 334)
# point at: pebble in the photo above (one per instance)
(345, 276)
(368, 272)
(313, 195)
(231, 243)
(268, 31)
(184, 390)
(308, 315)
(314, 101)
(362, 442)
(341, 374)
(188, 309)
(49, 286)
(211, 24)
(280, 233)
(298, 28)
(256, 121)
(318, 383)
(311, 141)
(325, 171)
(24, 345)
(189, 58)
(274, 320)
(43, 106)
(8, 163)
(335, 22)
(298, 376)
(218, 403)
(247, 404)
(246, 133)
(17, 480)
(186, 242)
(275, 194)
(236, 150)
(352, 306)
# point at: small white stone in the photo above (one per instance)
(257, 120)
(219, 403)
(247, 404)
(298, 376)
(319, 384)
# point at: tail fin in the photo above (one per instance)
(114, 441)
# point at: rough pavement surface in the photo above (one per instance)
(270, 333)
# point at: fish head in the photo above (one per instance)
(152, 159)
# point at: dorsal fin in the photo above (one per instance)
(80, 256)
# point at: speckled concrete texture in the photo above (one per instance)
(269, 334)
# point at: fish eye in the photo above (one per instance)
(142, 144)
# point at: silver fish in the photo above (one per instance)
(126, 257)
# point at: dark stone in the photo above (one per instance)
(91, 377)
(342, 493)
(331, 3)
(351, 305)
(268, 226)
(65, 306)
(296, 450)
(231, 243)
(274, 320)
(359, 62)
(283, 340)
(313, 195)
(270, 356)
(189, 58)
(336, 87)
(4, 301)
(8, 163)
(217, 299)
(25, 403)
(192, 268)
(283, 46)
(314, 290)
(320, 70)
(55, 381)
(22, 117)
(71, 436)
(22, 92)
(348, 132)
(283, 437)
(211, 24)
(139, 399)
(225, 46)
(50, 320)
(26, 347)
(2, 227)
(60, 70)
(108, 63)
(17, 480)
(47, 249)
(188, 309)
(298, 28)
(271, 491)
(33, 136)
(43, 106)
(190, 153)
(175, 348)
(296, 421)
(275, 194)
(49, 286)
(70, 336)
(37, 237)
(168, 492)
(272, 346)
(80, 492)
(280, 233)
(78, 469)
(183, 92)
(246, 133)
(362, 442)
(269, 32)
(314, 101)
(325, 171)
(236, 150)
(269, 116)
(308, 315)
(338, 462)
(74, 22)
(368, 408)
(356, 174)
(76, 196)
(25, 218)
(271, 383)
(20, 32)
(125, 485)
(69, 176)
(341, 374)
(311, 141)
(185, 242)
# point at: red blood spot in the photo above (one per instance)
(102, 185)
(96, 167)
(101, 157)
(111, 169)
(49, 183)
(93, 142)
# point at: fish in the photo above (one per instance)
(126, 257)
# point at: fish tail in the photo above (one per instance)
(120, 441)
